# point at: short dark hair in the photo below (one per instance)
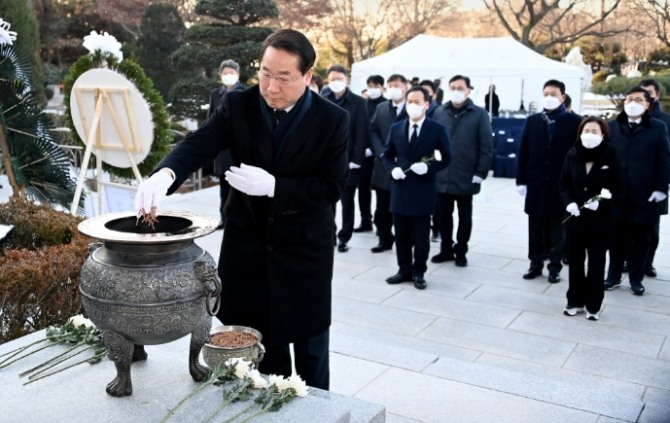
(555, 83)
(568, 101)
(426, 96)
(430, 83)
(375, 79)
(337, 68)
(641, 90)
(461, 78)
(651, 82)
(293, 42)
(318, 81)
(396, 77)
(604, 127)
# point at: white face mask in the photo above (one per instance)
(633, 109)
(230, 79)
(414, 111)
(374, 93)
(550, 102)
(337, 86)
(395, 93)
(590, 140)
(456, 96)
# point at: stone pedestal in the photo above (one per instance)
(78, 394)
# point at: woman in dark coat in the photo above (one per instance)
(590, 166)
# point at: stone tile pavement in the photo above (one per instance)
(481, 344)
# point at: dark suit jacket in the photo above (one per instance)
(540, 161)
(379, 128)
(645, 159)
(415, 195)
(223, 160)
(658, 113)
(359, 130)
(276, 260)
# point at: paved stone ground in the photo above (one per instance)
(481, 344)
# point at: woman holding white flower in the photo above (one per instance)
(591, 176)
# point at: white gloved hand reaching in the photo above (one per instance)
(251, 180)
(369, 153)
(151, 191)
(353, 166)
(657, 196)
(573, 209)
(522, 190)
(419, 168)
(592, 205)
(477, 180)
(398, 174)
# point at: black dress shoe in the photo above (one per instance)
(363, 228)
(381, 247)
(532, 274)
(637, 288)
(419, 282)
(398, 278)
(342, 247)
(610, 284)
(554, 277)
(651, 272)
(461, 261)
(442, 257)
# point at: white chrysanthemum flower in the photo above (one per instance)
(278, 381)
(6, 36)
(80, 320)
(298, 385)
(242, 366)
(103, 42)
(438, 156)
(258, 380)
(605, 194)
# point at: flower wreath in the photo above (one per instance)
(104, 56)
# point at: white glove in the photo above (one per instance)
(477, 180)
(369, 153)
(151, 191)
(419, 168)
(592, 205)
(522, 189)
(398, 174)
(251, 180)
(573, 209)
(353, 165)
(657, 196)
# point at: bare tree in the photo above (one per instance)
(542, 24)
(658, 11)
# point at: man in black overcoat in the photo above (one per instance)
(229, 70)
(547, 136)
(359, 138)
(642, 145)
(386, 114)
(289, 149)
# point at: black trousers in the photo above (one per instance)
(412, 232)
(540, 228)
(311, 360)
(586, 289)
(365, 190)
(445, 211)
(383, 217)
(653, 245)
(348, 211)
(631, 242)
(224, 190)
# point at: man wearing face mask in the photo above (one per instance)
(546, 138)
(359, 133)
(469, 130)
(654, 90)
(409, 156)
(229, 71)
(375, 98)
(386, 114)
(642, 145)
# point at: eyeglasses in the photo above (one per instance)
(638, 100)
(282, 80)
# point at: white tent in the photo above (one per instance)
(517, 71)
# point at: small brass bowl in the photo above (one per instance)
(213, 354)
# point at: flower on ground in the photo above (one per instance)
(104, 42)
(298, 385)
(242, 366)
(80, 320)
(257, 379)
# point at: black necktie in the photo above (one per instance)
(415, 134)
(633, 126)
(395, 111)
(280, 114)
